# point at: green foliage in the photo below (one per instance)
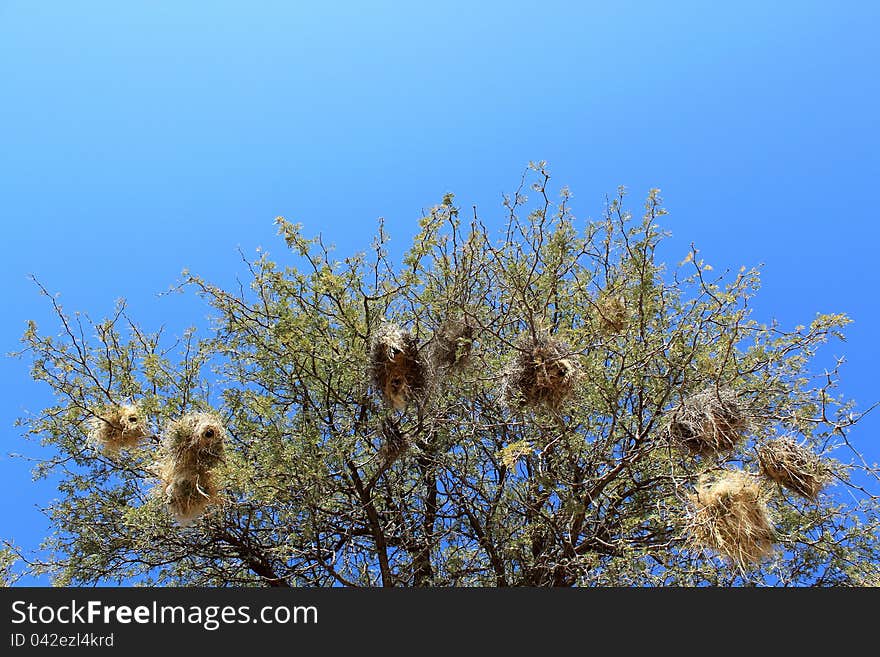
(324, 484)
(8, 559)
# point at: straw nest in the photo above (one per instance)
(397, 367)
(613, 314)
(731, 518)
(451, 346)
(192, 448)
(541, 373)
(709, 422)
(116, 427)
(189, 496)
(793, 466)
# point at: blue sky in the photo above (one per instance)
(137, 139)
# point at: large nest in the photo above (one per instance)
(542, 373)
(188, 495)
(116, 427)
(731, 518)
(192, 447)
(397, 367)
(613, 313)
(793, 466)
(194, 442)
(451, 346)
(709, 422)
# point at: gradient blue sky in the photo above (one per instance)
(139, 138)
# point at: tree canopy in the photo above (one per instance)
(539, 403)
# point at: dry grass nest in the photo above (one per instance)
(192, 448)
(189, 496)
(397, 367)
(116, 427)
(731, 518)
(541, 373)
(451, 346)
(613, 313)
(709, 422)
(793, 466)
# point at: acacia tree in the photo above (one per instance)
(7, 561)
(326, 483)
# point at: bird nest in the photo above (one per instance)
(613, 313)
(195, 442)
(451, 346)
(793, 466)
(731, 517)
(116, 427)
(396, 366)
(188, 495)
(542, 372)
(192, 448)
(709, 422)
